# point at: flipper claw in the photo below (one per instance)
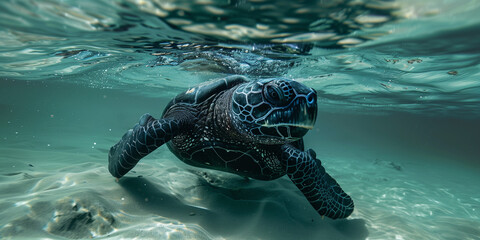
(144, 119)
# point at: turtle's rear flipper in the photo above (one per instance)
(321, 190)
(144, 138)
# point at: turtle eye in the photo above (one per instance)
(273, 94)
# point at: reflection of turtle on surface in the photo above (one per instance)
(256, 60)
(253, 129)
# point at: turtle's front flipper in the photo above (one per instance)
(321, 190)
(144, 138)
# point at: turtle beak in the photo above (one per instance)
(306, 112)
(305, 115)
(301, 114)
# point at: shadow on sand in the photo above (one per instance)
(242, 212)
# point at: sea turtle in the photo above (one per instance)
(250, 128)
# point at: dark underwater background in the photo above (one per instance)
(398, 87)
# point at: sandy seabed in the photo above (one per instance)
(64, 193)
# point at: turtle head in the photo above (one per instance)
(274, 111)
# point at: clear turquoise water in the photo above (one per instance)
(399, 102)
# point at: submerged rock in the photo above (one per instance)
(81, 218)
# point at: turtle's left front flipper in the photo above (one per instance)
(142, 139)
(321, 190)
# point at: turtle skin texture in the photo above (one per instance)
(250, 128)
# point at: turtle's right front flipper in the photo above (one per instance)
(144, 138)
(321, 190)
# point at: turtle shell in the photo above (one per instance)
(203, 91)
